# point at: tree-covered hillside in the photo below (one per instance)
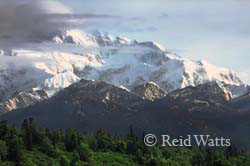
(31, 146)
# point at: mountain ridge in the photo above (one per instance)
(89, 105)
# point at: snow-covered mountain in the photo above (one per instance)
(72, 55)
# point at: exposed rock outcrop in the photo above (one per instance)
(22, 100)
(149, 91)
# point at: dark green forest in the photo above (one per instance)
(32, 146)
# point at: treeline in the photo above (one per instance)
(32, 146)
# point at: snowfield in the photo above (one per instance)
(72, 55)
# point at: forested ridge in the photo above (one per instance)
(32, 146)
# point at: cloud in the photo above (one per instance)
(36, 20)
(29, 19)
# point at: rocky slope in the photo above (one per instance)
(212, 91)
(85, 104)
(241, 103)
(210, 96)
(109, 95)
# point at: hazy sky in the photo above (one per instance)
(215, 30)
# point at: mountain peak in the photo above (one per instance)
(149, 91)
(75, 37)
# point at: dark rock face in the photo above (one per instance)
(90, 105)
(150, 91)
(241, 103)
(100, 92)
(212, 92)
(22, 100)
